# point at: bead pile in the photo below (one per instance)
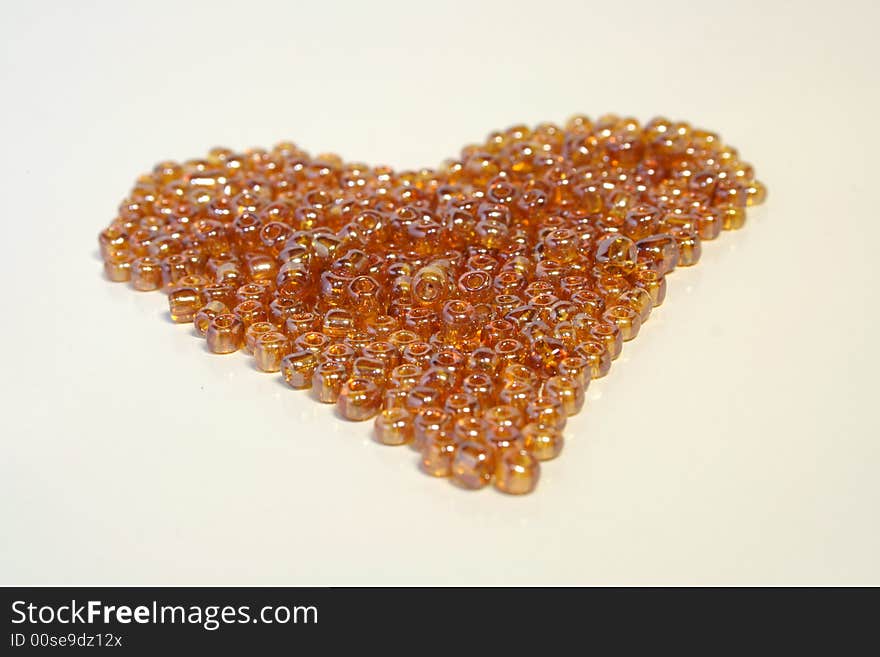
(465, 308)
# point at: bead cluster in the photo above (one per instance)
(465, 308)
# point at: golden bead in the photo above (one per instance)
(360, 399)
(225, 334)
(473, 465)
(517, 472)
(394, 427)
(543, 441)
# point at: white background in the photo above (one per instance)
(735, 442)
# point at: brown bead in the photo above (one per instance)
(517, 471)
(225, 334)
(327, 381)
(568, 391)
(206, 314)
(254, 332)
(438, 452)
(299, 368)
(473, 465)
(269, 349)
(360, 399)
(543, 441)
(184, 303)
(146, 274)
(394, 427)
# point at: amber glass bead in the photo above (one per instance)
(597, 356)
(689, 247)
(184, 303)
(253, 332)
(438, 452)
(359, 399)
(225, 334)
(394, 427)
(473, 465)
(429, 421)
(269, 349)
(299, 368)
(609, 334)
(117, 266)
(250, 312)
(543, 441)
(327, 381)
(577, 368)
(568, 391)
(517, 471)
(626, 319)
(146, 274)
(653, 283)
(206, 314)
(467, 306)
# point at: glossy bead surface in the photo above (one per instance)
(184, 303)
(467, 307)
(394, 427)
(517, 471)
(359, 399)
(473, 465)
(225, 334)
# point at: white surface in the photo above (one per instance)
(736, 441)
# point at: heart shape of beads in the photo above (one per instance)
(465, 308)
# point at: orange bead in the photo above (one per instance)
(269, 350)
(517, 472)
(225, 334)
(184, 303)
(327, 381)
(394, 427)
(360, 399)
(473, 465)
(543, 441)
(299, 368)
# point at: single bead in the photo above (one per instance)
(225, 334)
(206, 314)
(578, 368)
(184, 303)
(298, 369)
(609, 334)
(473, 465)
(470, 427)
(253, 332)
(543, 441)
(269, 349)
(360, 399)
(616, 253)
(547, 409)
(653, 283)
(626, 319)
(312, 341)
(428, 421)
(117, 266)
(250, 312)
(639, 300)
(327, 381)
(394, 427)
(516, 472)
(438, 452)
(596, 353)
(568, 391)
(689, 247)
(146, 274)
(481, 386)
